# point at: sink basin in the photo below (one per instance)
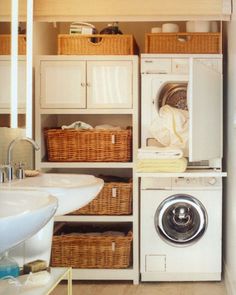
(22, 214)
(73, 191)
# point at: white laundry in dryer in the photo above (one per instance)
(181, 224)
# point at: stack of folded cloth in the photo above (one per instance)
(161, 159)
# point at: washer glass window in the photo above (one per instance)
(181, 219)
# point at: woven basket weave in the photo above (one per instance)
(106, 44)
(183, 43)
(91, 251)
(115, 198)
(5, 44)
(88, 145)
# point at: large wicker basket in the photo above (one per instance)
(97, 44)
(115, 198)
(183, 43)
(88, 145)
(86, 250)
(5, 44)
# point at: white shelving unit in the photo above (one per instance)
(54, 108)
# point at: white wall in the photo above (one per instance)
(230, 156)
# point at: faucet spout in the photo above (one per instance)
(16, 140)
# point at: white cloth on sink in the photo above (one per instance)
(171, 127)
(78, 125)
(153, 152)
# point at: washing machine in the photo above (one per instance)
(181, 223)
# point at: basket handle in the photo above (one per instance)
(113, 139)
(114, 192)
(183, 39)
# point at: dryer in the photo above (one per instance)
(189, 82)
(181, 224)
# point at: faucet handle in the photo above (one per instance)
(20, 172)
(2, 174)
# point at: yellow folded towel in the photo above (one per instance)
(162, 165)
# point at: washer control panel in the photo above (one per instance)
(196, 182)
(184, 183)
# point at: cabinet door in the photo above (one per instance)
(5, 84)
(205, 110)
(109, 84)
(63, 84)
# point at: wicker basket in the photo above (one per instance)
(5, 44)
(88, 145)
(106, 44)
(90, 250)
(114, 199)
(183, 43)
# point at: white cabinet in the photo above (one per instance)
(5, 82)
(85, 83)
(96, 90)
(197, 79)
(63, 84)
(109, 84)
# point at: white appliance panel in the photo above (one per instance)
(205, 110)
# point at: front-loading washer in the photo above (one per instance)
(181, 222)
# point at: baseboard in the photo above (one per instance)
(228, 281)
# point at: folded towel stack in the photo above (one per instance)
(161, 159)
(162, 165)
(152, 152)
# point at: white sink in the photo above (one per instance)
(73, 191)
(22, 214)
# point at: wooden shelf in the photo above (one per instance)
(94, 218)
(105, 274)
(87, 111)
(47, 165)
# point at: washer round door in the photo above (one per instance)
(181, 219)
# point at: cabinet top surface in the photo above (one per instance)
(179, 55)
(89, 57)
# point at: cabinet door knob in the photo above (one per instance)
(88, 84)
(83, 84)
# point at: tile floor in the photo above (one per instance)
(124, 288)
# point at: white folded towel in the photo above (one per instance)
(153, 152)
(78, 125)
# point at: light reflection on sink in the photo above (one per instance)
(22, 214)
(73, 191)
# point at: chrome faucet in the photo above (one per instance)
(8, 166)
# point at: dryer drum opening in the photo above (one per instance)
(173, 94)
(181, 219)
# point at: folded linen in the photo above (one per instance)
(153, 152)
(162, 165)
(78, 125)
(108, 127)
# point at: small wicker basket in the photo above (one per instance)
(183, 43)
(115, 198)
(5, 44)
(88, 145)
(97, 44)
(80, 250)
